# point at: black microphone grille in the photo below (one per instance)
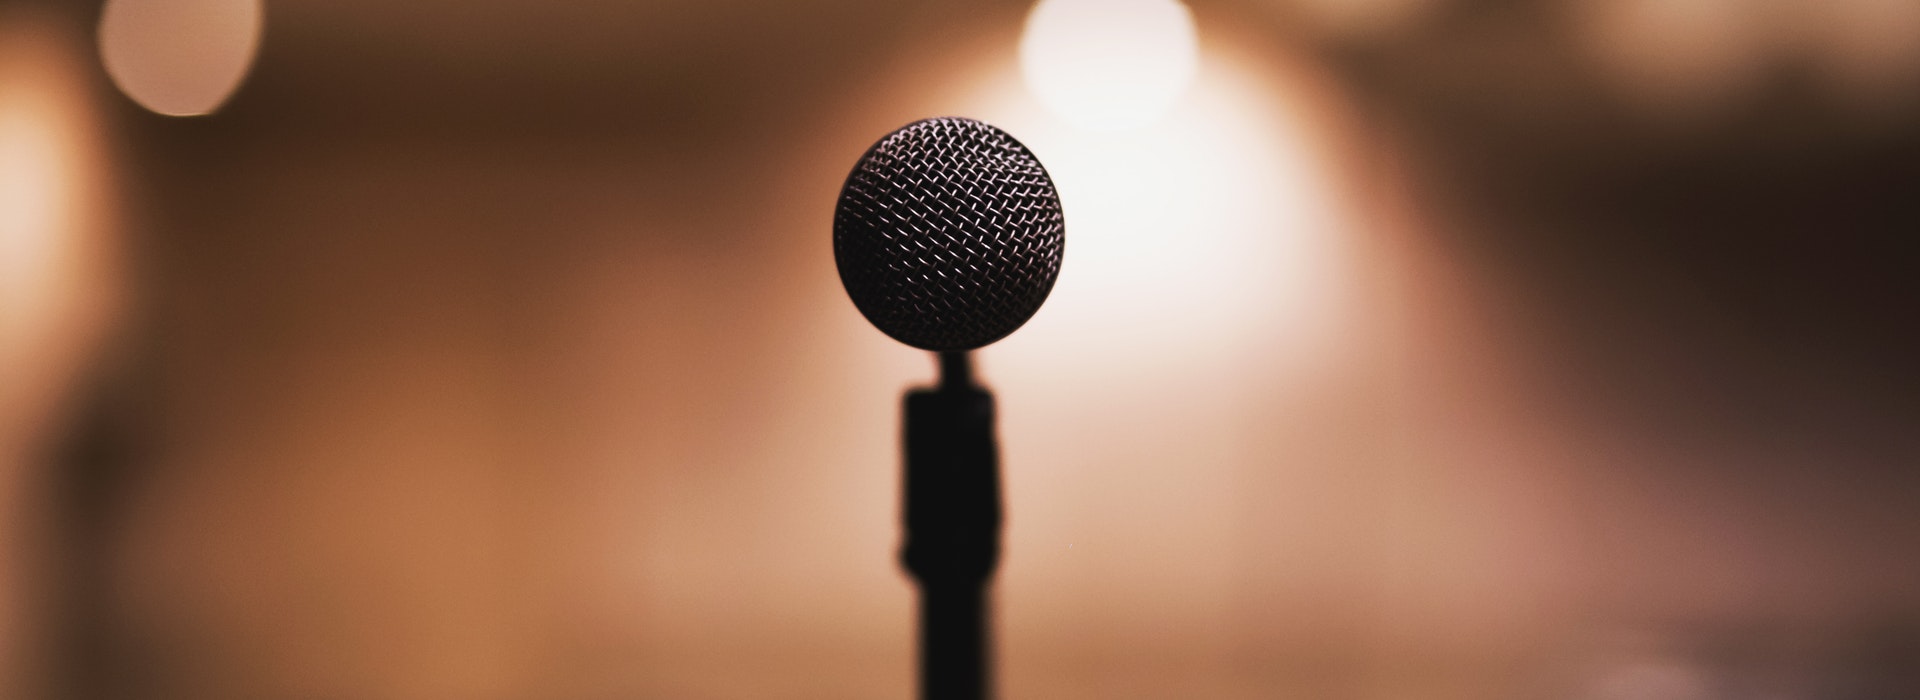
(949, 234)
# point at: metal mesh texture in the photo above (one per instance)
(948, 234)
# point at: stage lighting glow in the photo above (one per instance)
(1189, 239)
(1678, 60)
(1109, 64)
(1870, 49)
(179, 57)
(1209, 268)
(55, 281)
(35, 181)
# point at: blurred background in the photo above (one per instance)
(1404, 349)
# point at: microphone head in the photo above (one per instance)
(948, 235)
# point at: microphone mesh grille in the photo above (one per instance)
(948, 234)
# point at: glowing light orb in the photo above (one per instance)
(1109, 65)
(58, 251)
(179, 57)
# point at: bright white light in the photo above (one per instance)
(1109, 64)
(179, 57)
(1211, 232)
(1208, 277)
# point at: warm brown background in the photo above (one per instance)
(494, 350)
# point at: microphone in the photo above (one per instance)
(948, 237)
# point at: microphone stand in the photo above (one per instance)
(952, 517)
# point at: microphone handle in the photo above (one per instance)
(952, 518)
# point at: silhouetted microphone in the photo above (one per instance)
(948, 237)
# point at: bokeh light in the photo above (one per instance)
(1868, 49)
(1678, 60)
(1218, 228)
(53, 252)
(1109, 64)
(179, 57)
